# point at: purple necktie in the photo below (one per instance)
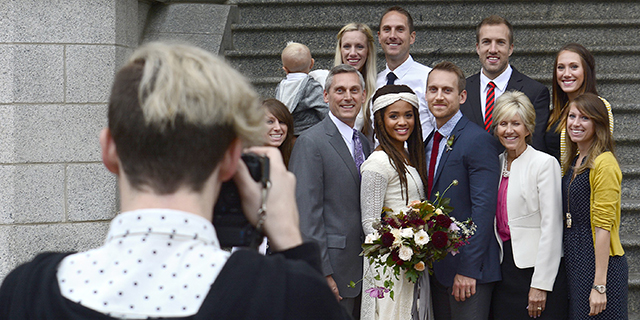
(358, 155)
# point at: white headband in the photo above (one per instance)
(390, 98)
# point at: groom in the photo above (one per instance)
(326, 161)
(460, 150)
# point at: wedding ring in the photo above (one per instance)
(539, 308)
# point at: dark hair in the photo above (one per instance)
(560, 98)
(402, 11)
(280, 111)
(592, 106)
(417, 157)
(493, 20)
(451, 67)
(161, 157)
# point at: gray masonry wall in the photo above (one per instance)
(57, 62)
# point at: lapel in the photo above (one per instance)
(457, 131)
(338, 144)
(515, 82)
(473, 98)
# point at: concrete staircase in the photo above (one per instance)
(446, 31)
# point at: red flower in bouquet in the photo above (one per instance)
(439, 239)
(443, 220)
(387, 239)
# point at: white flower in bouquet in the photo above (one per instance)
(397, 237)
(439, 211)
(405, 253)
(421, 237)
(407, 233)
(371, 237)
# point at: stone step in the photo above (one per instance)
(442, 36)
(267, 63)
(634, 295)
(630, 217)
(630, 182)
(275, 11)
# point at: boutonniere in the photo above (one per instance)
(449, 144)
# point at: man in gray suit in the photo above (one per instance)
(326, 160)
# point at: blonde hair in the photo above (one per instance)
(296, 57)
(513, 103)
(369, 70)
(174, 110)
(183, 80)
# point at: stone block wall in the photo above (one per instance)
(57, 63)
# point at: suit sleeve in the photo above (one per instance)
(306, 164)
(541, 105)
(549, 187)
(484, 174)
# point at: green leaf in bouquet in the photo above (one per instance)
(352, 284)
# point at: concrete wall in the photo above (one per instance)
(57, 62)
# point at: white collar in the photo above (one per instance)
(500, 81)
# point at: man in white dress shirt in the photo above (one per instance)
(396, 35)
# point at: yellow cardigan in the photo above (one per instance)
(605, 179)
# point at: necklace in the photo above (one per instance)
(505, 171)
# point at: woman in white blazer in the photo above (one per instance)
(528, 219)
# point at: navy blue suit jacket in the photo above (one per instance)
(534, 90)
(473, 161)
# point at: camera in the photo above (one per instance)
(231, 225)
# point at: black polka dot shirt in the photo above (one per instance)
(154, 263)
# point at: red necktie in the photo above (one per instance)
(491, 99)
(432, 163)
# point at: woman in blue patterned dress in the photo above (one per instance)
(597, 270)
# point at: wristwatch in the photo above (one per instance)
(601, 288)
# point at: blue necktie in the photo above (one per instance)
(391, 78)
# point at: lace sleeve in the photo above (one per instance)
(372, 192)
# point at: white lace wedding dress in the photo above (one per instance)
(381, 187)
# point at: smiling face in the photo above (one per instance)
(345, 97)
(580, 128)
(512, 134)
(395, 38)
(442, 95)
(399, 121)
(276, 130)
(354, 49)
(570, 73)
(494, 49)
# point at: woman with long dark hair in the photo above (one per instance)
(574, 74)
(279, 128)
(392, 177)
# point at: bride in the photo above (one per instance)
(392, 177)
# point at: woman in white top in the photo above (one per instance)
(528, 219)
(392, 177)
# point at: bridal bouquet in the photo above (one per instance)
(413, 240)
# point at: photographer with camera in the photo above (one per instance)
(178, 118)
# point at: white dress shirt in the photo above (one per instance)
(414, 75)
(501, 83)
(154, 263)
(345, 131)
